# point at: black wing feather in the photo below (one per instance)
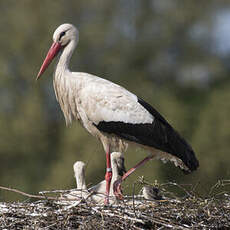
(158, 134)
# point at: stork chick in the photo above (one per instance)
(98, 195)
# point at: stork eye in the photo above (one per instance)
(61, 35)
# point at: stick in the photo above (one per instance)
(27, 194)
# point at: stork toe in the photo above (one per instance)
(117, 190)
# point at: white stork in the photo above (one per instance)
(111, 113)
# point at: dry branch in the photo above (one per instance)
(190, 211)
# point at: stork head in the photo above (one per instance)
(79, 171)
(65, 33)
(118, 161)
(62, 36)
(79, 168)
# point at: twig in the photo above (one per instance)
(220, 183)
(27, 194)
(58, 191)
(171, 225)
(179, 186)
(75, 204)
(134, 210)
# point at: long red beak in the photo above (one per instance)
(52, 53)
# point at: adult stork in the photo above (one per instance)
(111, 113)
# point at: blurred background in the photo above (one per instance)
(174, 54)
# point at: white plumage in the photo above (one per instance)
(111, 113)
(97, 192)
(79, 174)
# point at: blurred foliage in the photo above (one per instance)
(174, 54)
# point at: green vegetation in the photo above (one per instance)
(166, 52)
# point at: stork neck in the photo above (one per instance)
(115, 171)
(81, 182)
(64, 59)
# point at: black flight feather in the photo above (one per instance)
(158, 134)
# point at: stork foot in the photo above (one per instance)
(117, 190)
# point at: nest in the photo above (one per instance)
(135, 212)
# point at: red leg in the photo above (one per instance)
(117, 183)
(108, 176)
